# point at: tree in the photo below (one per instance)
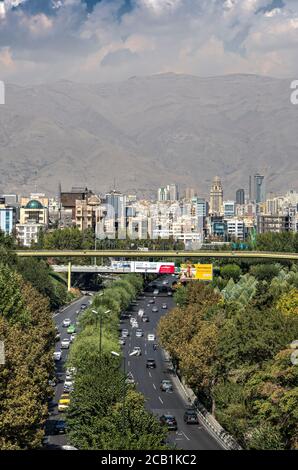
(27, 329)
(231, 271)
(288, 303)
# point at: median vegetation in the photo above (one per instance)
(105, 413)
(231, 343)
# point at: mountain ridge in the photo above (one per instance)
(147, 132)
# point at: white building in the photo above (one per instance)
(27, 234)
(236, 228)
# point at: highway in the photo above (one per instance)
(188, 437)
(52, 440)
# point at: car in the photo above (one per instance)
(139, 333)
(150, 364)
(68, 382)
(154, 309)
(165, 283)
(60, 427)
(170, 293)
(121, 341)
(145, 318)
(83, 306)
(135, 325)
(57, 355)
(65, 343)
(155, 292)
(71, 329)
(68, 388)
(57, 337)
(151, 301)
(132, 320)
(164, 306)
(63, 403)
(129, 379)
(66, 322)
(166, 386)
(124, 333)
(141, 312)
(169, 421)
(190, 416)
(138, 350)
(68, 377)
(72, 337)
(150, 337)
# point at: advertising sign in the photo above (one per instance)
(150, 267)
(202, 272)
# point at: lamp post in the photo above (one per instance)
(100, 331)
(114, 353)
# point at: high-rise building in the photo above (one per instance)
(229, 209)
(190, 193)
(116, 209)
(216, 197)
(240, 196)
(173, 192)
(162, 194)
(259, 188)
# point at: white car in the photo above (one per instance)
(135, 325)
(57, 355)
(72, 337)
(141, 312)
(124, 333)
(138, 351)
(155, 292)
(132, 320)
(66, 322)
(68, 382)
(151, 337)
(65, 343)
(139, 333)
(164, 306)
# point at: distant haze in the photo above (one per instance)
(150, 131)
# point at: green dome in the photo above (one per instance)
(34, 205)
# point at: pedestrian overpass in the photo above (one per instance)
(152, 255)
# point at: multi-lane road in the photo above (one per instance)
(188, 437)
(52, 440)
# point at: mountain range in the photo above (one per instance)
(146, 132)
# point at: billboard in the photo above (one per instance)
(151, 267)
(201, 272)
(144, 267)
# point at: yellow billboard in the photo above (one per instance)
(201, 272)
(204, 272)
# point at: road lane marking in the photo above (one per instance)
(160, 400)
(128, 363)
(154, 386)
(185, 435)
(149, 374)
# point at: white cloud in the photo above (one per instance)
(205, 37)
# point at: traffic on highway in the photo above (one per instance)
(147, 367)
(152, 372)
(66, 329)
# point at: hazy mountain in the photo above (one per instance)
(145, 132)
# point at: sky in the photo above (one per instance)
(111, 40)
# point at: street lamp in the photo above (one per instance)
(100, 332)
(133, 353)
